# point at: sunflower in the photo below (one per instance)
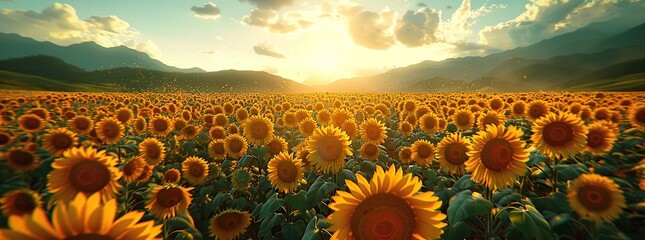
(405, 155)
(165, 201)
(369, 151)
(323, 117)
(152, 150)
(307, 126)
(276, 145)
(452, 152)
(351, 128)
(19, 202)
(133, 169)
(189, 132)
(518, 109)
(59, 140)
(463, 119)
(429, 123)
(160, 126)
(235, 146)
(146, 173)
(171, 176)
(31, 123)
(217, 132)
(327, 148)
(537, 109)
(216, 149)
(423, 152)
(240, 179)
(124, 115)
(20, 159)
(140, 124)
(637, 116)
(110, 130)
(258, 130)
(373, 131)
(387, 207)
(81, 124)
(220, 119)
(405, 128)
(600, 137)
(82, 218)
(195, 170)
(340, 116)
(289, 119)
(241, 114)
(229, 224)
(596, 197)
(491, 117)
(285, 172)
(559, 135)
(497, 155)
(5, 138)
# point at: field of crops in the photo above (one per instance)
(541, 165)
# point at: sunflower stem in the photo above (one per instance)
(489, 196)
(165, 229)
(555, 174)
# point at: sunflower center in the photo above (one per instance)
(430, 122)
(32, 123)
(640, 115)
(383, 216)
(557, 134)
(23, 203)
(275, 147)
(219, 148)
(229, 220)
(287, 172)
(82, 124)
(373, 133)
(329, 148)
(406, 154)
(595, 139)
(259, 130)
(196, 170)
(160, 125)
(21, 158)
(594, 198)
(424, 151)
(169, 197)
(463, 119)
(153, 151)
(62, 141)
(490, 120)
(236, 145)
(518, 108)
(110, 130)
(371, 149)
(497, 154)
(308, 127)
(407, 127)
(536, 111)
(89, 236)
(89, 176)
(456, 153)
(129, 168)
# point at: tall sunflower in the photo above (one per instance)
(369, 151)
(133, 169)
(285, 172)
(559, 135)
(81, 124)
(235, 146)
(195, 170)
(600, 137)
(497, 156)
(373, 131)
(110, 130)
(405, 155)
(216, 149)
(20, 159)
(452, 152)
(229, 224)
(19, 202)
(537, 109)
(217, 132)
(491, 117)
(171, 176)
(60, 139)
(429, 123)
(464, 119)
(84, 170)
(276, 145)
(387, 207)
(160, 126)
(406, 128)
(423, 152)
(328, 147)
(307, 126)
(637, 116)
(140, 124)
(596, 197)
(152, 150)
(31, 123)
(81, 218)
(350, 128)
(165, 201)
(258, 130)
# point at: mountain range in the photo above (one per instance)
(599, 56)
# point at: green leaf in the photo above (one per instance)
(467, 204)
(270, 206)
(506, 196)
(535, 157)
(268, 224)
(556, 202)
(464, 182)
(318, 190)
(347, 174)
(570, 172)
(239, 203)
(293, 230)
(311, 232)
(461, 230)
(531, 223)
(177, 223)
(297, 201)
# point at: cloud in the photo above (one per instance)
(209, 52)
(208, 11)
(271, 21)
(548, 18)
(267, 49)
(60, 24)
(270, 4)
(373, 30)
(418, 28)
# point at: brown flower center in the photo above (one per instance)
(640, 115)
(497, 154)
(595, 139)
(89, 236)
(259, 130)
(229, 220)
(329, 148)
(62, 141)
(424, 151)
(456, 153)
(89, 176)
(32, 123)
(169, 197)
(594, 198)
(196, 169)
(557, 134)
(110, 130)
(82, 124)
(23, 203)
(236, 145)
(373, 132)
(371, 150)
(160, 125)
(383, 216)
(287, 172)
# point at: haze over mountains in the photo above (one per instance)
(600, 56)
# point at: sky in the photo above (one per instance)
(309, 41)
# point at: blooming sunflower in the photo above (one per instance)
(405, 155)
(285, 172)
(258, 130)
(81, 124)
(20, 159)
(171, 176)
(217, 132)
(19, 202)
(518, 109)
(491, 117)
(596, 197)
(373, 131)
(152, 150)
(140, 124)
(240, 179)
(637, 116)
(82, 218)
(600, 137)
(195, 170)
(323, 117)
(60, 139)
(307, 126)
(124, 115)
(340, 116)
(165, 201)
(84, 170)
(133, 169)
(387, 207)
(369, 151)
(31, 123)
(559, 135)
(110, 130)
(216, 149)
(235, 146)
(160, 126)
(452, 152)
(5, 138)
(497, 155)
(276, 145)
(327, 148)
(350, 127)
(423, 152)
(429, 123)
(146, 173)
(229, 224)
(537, 109)
(405, 128)
(189, 132)
(463, 119)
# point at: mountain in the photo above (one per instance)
(87, 55)
(51, 73)
(544, 65)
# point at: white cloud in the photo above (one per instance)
(267, 49)
(271, 21)
(208, 11)
(418, 28)
(374, 30)
(270, 4)
(60, 24)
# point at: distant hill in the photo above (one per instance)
(51, 73)
(88, 55)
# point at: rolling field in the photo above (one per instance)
(527, 165)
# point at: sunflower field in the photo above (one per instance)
(531, 165)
